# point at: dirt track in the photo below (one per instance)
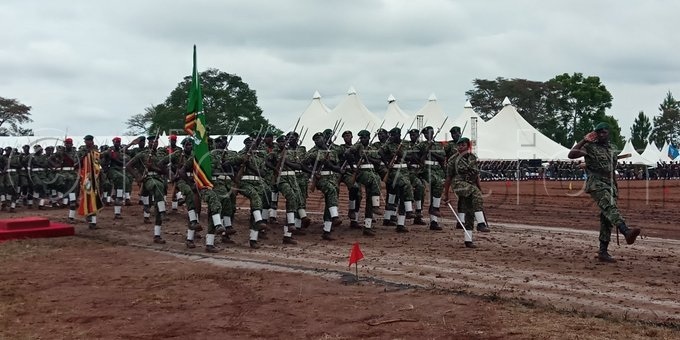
(548, 261)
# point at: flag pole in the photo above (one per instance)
(356, 267)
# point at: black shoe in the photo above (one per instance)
(117, 217)
(605, 257)
(194, 225)
(190, 244)
(368, 232)
(401, 229)
(93, 226)
(254, 245)
(469, 244)
(211, 249)
(410, 215)
(419, 221)
(354, 225)
(263, 235)
(435, 226)
(220, 229)
(483, 228)
(459, 226)
(289, 240)
(158, 239)
(261, 225)
(229, 230)
(226, 239)
(305, 222)
(296, 231)
(388, 223)
(147, 220)
(327, 236)
(351, 214)
(335, 222)
(272, 220)
(632, 235)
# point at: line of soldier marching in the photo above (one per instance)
(408, 167)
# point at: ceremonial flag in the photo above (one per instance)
(355, 255)
(194, 125)
(673, 152)
(89, 201)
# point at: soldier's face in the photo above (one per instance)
(269, 139)
(364, 140)
(89, 143)
(153, 144)
(429, 134)
(26, 149)
(382, 136)
(603, 135)
(414, 136)
(347, 138)
(395, 137)
(116, 144)
(320, 142)
(188, 147)
(68, 145)
(455, 136)
(462, 147)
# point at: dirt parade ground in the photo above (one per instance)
(535, 275)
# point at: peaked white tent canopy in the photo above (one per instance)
(509, 136)
(635, 157)
(464, 121)
(651, 153)
(394, 116)
(354, 114)
(314, 117)
(664, 152)
(433, 115)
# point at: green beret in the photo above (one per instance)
(318, 135)
(347, 133)
(364, 133)
(601, 126)
(269, 134)
(381, 130)
(151, 138)
(328, 132)
(425, 129)
(463, 140)
(455, 129)
(396, 131)
(280, 139)
(186, 140)
(88, 137)
(414, 131)
(141, 138)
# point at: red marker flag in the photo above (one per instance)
(355, 255)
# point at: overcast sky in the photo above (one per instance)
(87, 66)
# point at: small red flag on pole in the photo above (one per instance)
(355, 255)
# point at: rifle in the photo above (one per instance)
(361, 159)
(396, 153)
(279, 165)
(244, 163)
(431, 142)
(315, 177)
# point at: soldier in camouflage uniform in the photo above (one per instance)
(24, 176)
(347, 178)
(177, 195)
(250, 184)
(296, 155)
(412, 160)
(106, 184)
(38, 165)
(270, 203)
(381, 169)
(6, 187)
(432, 157)
(146, 168)
(182, 161)
(392, 154)
(450, 149)
(286, 182)
(12, 177)
(113, 162)
(325, 175)
(601, 185)
(366, 159)
(66, 159)
(463, 171)
(222, 180)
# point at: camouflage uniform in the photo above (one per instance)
(347, 178)
(296, 154)
(392, 153)
(38, 166)
(322, 161)
(67, 162)
(433, 174)
(183, 163)
(412, 159)
(12, 178)
(113, 160)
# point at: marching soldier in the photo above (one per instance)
(325, 170)
(296, 154)
(38, 165)
(432, 156)
(392, 154)
(366, 160)
(602, 187)
(145, 168)
(347, 178)
(176, 194)
(182, 161)
(412, 160)
(12, 177)
(285, 181)
(222, 181)
(270, 203)
(463, 172)
(24, 176)
(114, 160)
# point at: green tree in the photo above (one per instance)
(640, 131)
(12, 115)
(227, 101)
(667, 124)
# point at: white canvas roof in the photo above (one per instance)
(464, 121)
(635, 158)
(315, 117)
(651, 153)
(509, 136)
(433, 114)
(394, 115)
(354, 114)
(664, 152)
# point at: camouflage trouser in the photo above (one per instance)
(354, 191)
(69, 181)
(223, 188)
(38, 182)
(328, 185)
(120, 181)
(187, 191)
(465, 206)
(417, 184)
(291, 191)
(471, 192)
(155, 187)
(12, 184)
(401, 186)
(213, 198)
(254, 191)
(302, 180)
(105, 183)
(370, 180)
(25, 183)
(434, 176)
(609, 212)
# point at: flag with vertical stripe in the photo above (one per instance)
(194, 125)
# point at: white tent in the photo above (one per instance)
(315, 118)
(464, 121)
(433, 114)
(509, 136)
(651, 153)
(394, 116)
(635, 157)
(354, 114)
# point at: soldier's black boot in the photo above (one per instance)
(469, 244)
(483, 228)
(603, 255)
(368, 232)
(630, 233)
(327, 236)
(434, 225)
(211, 249)
(289, 240)
(418, 220)
(226, 239)
(190, 244)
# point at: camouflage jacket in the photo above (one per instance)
(463, 168)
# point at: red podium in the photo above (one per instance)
(32, 227)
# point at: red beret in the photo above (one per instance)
(116, 139)
(68, 140)
(173, 137)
